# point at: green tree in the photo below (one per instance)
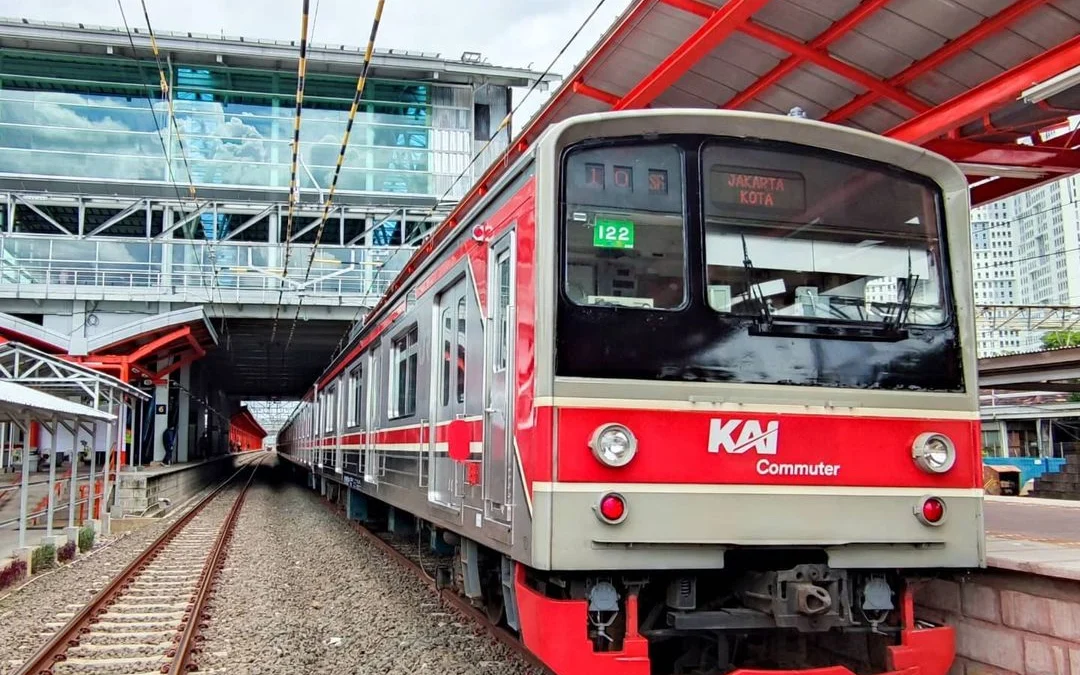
(1061, 338)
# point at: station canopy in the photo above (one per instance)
(983, 82)
(965, 78)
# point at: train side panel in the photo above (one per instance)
(396, 446)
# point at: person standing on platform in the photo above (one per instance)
(169, 439)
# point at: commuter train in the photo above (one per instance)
(684, 391)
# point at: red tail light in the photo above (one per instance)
(931, 511)
(612, 508)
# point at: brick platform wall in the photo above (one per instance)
(1008, 622)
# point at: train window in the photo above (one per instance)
(502, 323)
(329, 408)
(447, 323)
(625, 232)
(403, 395)
(356, 379)
(796, 233)
(461, 324)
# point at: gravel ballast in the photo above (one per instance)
(302, 593)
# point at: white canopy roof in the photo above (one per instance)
(17, 402)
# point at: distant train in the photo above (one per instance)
(685, 390)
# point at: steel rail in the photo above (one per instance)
(459, 603)
(53, 651)
(195, 618)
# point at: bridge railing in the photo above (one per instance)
(251, 272)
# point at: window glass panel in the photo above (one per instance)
(447, 335)
(501, 319)
(625, 231)
(461, 316)
(405, 361)
(814, 237)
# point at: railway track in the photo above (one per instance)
(407, 554)
(147, 619)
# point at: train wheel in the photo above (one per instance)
(494, 606)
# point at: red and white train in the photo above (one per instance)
(686, 389)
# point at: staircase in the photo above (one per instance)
(1064, 484)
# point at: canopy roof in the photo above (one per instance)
(957, 77)
(18, 402)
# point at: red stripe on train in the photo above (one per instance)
(760, 449)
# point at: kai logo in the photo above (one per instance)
(739, 436)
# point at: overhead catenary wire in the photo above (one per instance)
(167, 94)
(167, 91)
(342, 343)
(294, 187)
(361, 82)
(502, 125)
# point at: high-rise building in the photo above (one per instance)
(1026, 251)
(993, 267)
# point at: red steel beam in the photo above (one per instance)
(860, 77)
(946, 52)
(1001, 188)
(798, 49)
(151, 347)
(717, 28)
(1042, 157)
(188, 359)
(982, 99)
(826, 38)
(580, 87)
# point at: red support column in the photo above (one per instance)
(992, 93)
(721, 24)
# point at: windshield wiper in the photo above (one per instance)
(907, 297)
(759, 299)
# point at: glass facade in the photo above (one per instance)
(90, 118)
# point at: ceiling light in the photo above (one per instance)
(999, 170)
(1052, 87)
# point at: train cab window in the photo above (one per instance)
(625, 230)
(799, 235)
(403, 391)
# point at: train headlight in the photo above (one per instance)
(933, 452)
(613, 445)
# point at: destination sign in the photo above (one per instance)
(753, 188)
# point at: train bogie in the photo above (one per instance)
(682, 386)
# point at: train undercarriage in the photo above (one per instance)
(775, 610)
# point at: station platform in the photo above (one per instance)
(155, 489)
(1035, 536)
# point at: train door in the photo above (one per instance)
(448, 400)
(371, 452)
(499, 364)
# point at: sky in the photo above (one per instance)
(507, 32)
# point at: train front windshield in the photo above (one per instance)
(698, 249)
